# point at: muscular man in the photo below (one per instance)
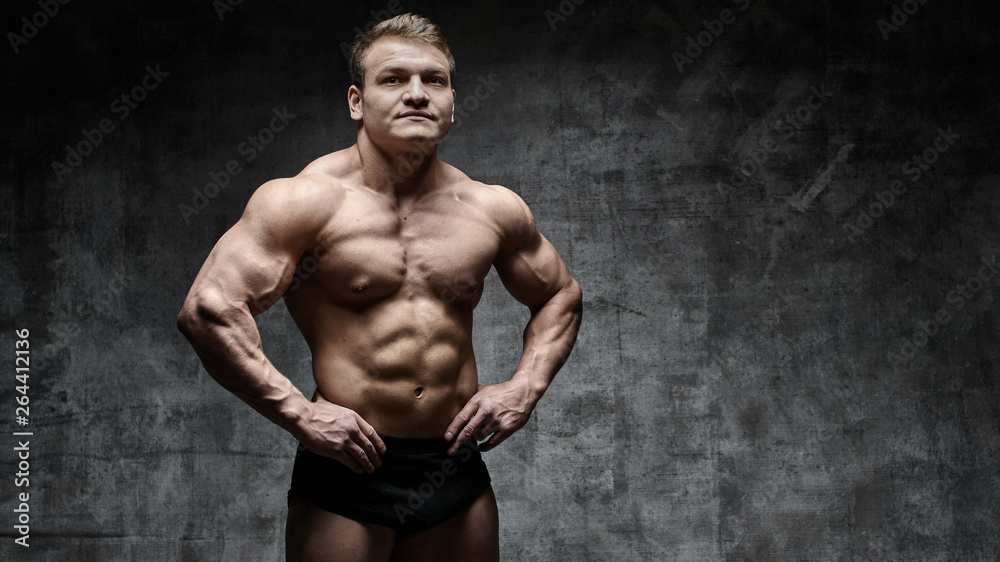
(380, 251)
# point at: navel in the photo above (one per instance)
(418, 392)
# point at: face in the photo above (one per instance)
(408, 97)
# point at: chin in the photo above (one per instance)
(417, 137)
(423, 137)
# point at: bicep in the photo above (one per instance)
(253, 263)
(248, 268)
(534, 272)
(528, 265)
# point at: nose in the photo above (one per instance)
(415, 94)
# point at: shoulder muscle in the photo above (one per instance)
(290, 212)
(514, 220)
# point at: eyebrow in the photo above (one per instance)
(406, 70)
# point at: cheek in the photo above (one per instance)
(379, 109)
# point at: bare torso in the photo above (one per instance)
(385, 297)
(381, 270)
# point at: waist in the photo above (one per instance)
(409, 408)
(409, 445)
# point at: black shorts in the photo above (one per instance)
(417, 487)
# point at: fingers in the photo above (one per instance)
(370, 454)
(369, 432)
(353, 461)
(361, 458)
(359, 455)
(461, 420)
(343, 435)
(487, 417)
(470, 429)
(366, 446)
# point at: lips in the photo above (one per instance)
(423, 114)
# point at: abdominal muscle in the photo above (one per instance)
(404, 364)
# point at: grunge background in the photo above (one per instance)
(784, 216)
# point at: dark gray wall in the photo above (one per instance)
(760, 375)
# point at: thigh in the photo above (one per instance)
(471, 536)
(313, 535)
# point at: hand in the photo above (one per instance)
(343, 435)
(497, 409)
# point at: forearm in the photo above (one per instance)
(548, 340)
(228, 343)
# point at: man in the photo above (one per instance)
(380, 251)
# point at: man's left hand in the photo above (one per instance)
(497, 409)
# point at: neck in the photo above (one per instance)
(398, 169)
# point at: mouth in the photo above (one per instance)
(416, 115)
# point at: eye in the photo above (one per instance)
(391, 80)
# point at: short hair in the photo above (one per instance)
(404, 26)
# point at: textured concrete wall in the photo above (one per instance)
(788, 350)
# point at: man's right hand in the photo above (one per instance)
(343, 435)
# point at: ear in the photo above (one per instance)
(354, 99)
(454, 98)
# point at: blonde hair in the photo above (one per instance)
(404, 26)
